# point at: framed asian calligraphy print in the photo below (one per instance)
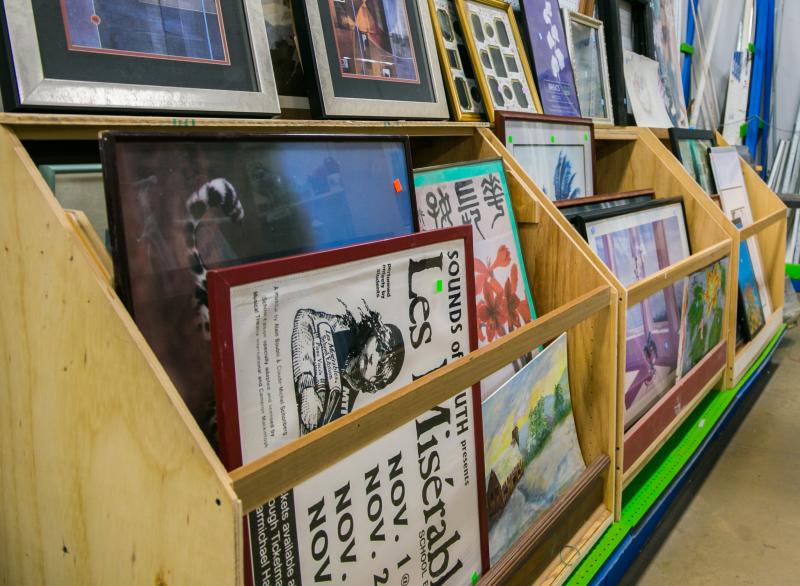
(498, 56)
(370, 59)
(551, 57)
(466, 99)
(476, 194)
(556, 152)
(587, 46)
(189, 56)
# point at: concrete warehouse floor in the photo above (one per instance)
(738, 522)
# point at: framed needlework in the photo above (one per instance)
(466, 99)
(556, 152)
(587, 47)
(628, 26)
(370, 59)
(181, 204)
(498, 56)
(690, 147)
(193, 56)
(551, 57)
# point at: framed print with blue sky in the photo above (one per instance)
(190, 56)
(555, 151)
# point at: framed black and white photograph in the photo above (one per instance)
(498, 56)
(194, 56)
(370, 59)
(587, 46)
(628, 26)
(691, 149)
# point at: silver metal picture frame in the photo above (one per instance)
(591, 84)
(318, 53)
(35, 90)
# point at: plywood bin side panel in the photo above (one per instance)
(105, 478)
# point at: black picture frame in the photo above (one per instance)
(576, 207)
(642, 17)
(172, 200)
(335, 94)
(676, 136)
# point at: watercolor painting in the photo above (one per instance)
(694, 156)
(530, 443)
(702, 314)
(560, 168)
(750, 308)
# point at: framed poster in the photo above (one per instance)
(587, 47)
(556, 152)
(691, 149)
(735, 202)
(466, 100)
(750, 309)
(666, 50)
(628, 26)
(476, 194)
(193, 56)
(636, 242)
(644, 91)
(530, 444)
(289, 79)
(551, 58)
(576, 207)
(498, 56)
(302, 341)
(182, 203)
(370, 59)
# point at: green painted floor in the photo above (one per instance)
(741, 523)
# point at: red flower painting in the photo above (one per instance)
(501, 310)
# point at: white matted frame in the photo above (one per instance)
(572, 18)
(37, 91)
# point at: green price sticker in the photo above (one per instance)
(439, 286)
(510, 140)
(552, 139)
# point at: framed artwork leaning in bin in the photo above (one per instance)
(690, 147)
(189, 57)
(370, 59)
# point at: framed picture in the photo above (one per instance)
(476, 194)
(551, 58)
(302, 341)
(628, 26)
(498, 56)
(735, 201)
(750, 309)
(556, 152)
(636, 242)
(182, 203)
(530, 444)
(370, 59)
(463, 91)
(183, 57)
(645, 97)
(289, 79)
(702, 314)
(667, 52)
(587, 47)
(576, 207)
(691, 149)
(80, 187)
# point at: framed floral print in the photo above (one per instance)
(498, 56)
(190, 56)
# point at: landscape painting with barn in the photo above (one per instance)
(530, 446)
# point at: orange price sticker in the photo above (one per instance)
(398, 187)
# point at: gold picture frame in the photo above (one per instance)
(478, 112)
(490, 94)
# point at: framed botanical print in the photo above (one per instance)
(181, 204)
(587, 47)
(498, 56)
(690, 147)
(192, 56)
(551, 57)
(636, 242)
(556, 152)
(370, 59)
(289, 79)
(463, 91)
(628, 26)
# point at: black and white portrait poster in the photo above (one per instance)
(300, 342)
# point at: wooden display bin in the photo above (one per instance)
(107, 478)
(632, 159)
